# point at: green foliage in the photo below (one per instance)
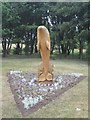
(88, 51)
(26, 49)
(15, 50)
(6, 32)
(83, 35)
(21, 19)
(10, 15)
(53, 57)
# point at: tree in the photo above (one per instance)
(82, 37)
(67, 23)
(10, 21)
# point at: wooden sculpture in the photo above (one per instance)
(45, 69)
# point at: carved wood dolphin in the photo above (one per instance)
(43, 45)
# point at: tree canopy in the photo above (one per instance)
(67, 23)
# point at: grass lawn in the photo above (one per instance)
(64, 106)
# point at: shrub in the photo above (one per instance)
(88, 51)
(17, 50)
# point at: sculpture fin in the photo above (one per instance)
(48, 45)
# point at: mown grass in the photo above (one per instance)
(64, 106)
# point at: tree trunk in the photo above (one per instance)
(27, 45)
(32, 43)
(81, 49)
(21, 48)
(73, 43)
(36, 48)
(26, 48)
(9, 46)
(4, 42)
(59, 49)
(52, 46)
(63, 49)
(68, 48)
(31, 52)
(18, 48)
(35, 43)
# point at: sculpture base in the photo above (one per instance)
(41, 76)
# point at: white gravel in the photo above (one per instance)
(29, 100)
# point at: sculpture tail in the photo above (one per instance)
(46, 68)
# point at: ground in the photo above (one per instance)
(72, 104)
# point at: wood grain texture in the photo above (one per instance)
(43, 45)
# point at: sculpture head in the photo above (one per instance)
(42, 32)
(41, 28)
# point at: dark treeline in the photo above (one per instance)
(67, 23)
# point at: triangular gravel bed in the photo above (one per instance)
(31, 95)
